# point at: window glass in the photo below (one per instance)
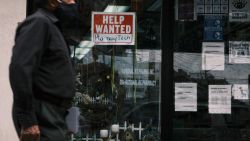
(117, 84)
(211, 71)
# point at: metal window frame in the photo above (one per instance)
(167, 85)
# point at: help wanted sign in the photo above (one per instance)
(113, 28)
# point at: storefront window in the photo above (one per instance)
(117, 79)
(211, 70)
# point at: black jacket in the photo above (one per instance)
(40, 65)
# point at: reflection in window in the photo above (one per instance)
(118, 84)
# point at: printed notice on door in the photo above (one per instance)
(113, 28)
(220, 99)
(239, 52)
(213, 57)
(185, 97)
(213, 27)
(239, 10)
(240, 91)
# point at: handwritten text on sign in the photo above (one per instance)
(113, 28)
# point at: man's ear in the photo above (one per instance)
(53, 4)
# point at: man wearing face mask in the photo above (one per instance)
(41, 74)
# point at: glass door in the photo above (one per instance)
(116, 51)
(211, 70)
(119, 84)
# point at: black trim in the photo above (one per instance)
(167, 86)
(29, 7)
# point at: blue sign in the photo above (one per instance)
(213, 28)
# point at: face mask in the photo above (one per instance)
(67, 12)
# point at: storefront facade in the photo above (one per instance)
(161, 70)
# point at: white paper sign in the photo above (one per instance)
(239, 52)
(240, 91)
(213, 57)
(239, 10)
(185, 97)
(220, 99)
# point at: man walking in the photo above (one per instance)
(41, 74)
